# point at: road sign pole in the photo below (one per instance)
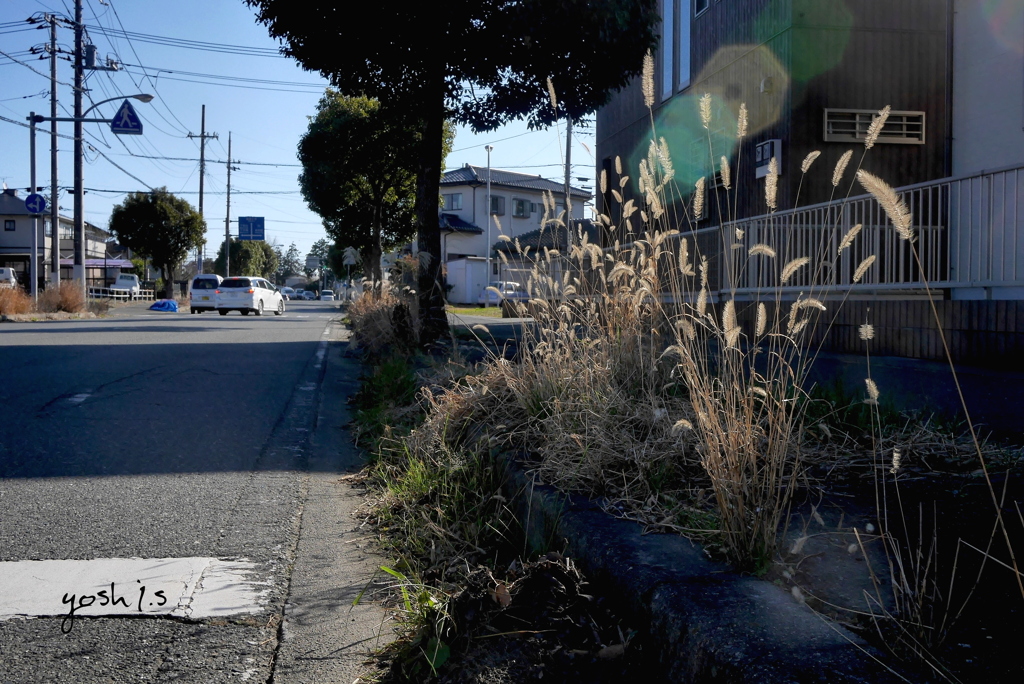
(33, 277)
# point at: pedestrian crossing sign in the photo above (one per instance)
(126, 121)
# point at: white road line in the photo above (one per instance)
(196, 587)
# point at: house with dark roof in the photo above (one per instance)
(516, 208)
(16, 242)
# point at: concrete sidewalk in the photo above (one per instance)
(323, 637)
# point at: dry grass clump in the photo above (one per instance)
(13, 300)
(382, 321)
(68, 297)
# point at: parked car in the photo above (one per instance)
(299, 293)
(8, 277)
(202, 292)
(247, 294)
(327, 296)
(309, 295)
(509, 290)
(126, 285)
(287, 292)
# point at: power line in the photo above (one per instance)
(247, 50)
(229, 78)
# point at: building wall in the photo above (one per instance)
(988, 89)
(787, 60)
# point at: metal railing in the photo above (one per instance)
(969, 232)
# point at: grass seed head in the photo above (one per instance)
(805, 165)
(837, 174)
(648, 80)
(705, 110)
(863, 268)
(894, 207)
(872, 390)
(877, 124)
(741, 122)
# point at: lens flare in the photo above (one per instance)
(1005, 20)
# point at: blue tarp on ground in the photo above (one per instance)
(165, 305)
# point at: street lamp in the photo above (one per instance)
(487, 295)
(141, 97)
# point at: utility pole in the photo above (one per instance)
(227, 219)
(487, 280)
(54, 193)
(79, 259)
(202, 174)
(568, 167)
(33, 271)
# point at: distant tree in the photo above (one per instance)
(483, 63)
(248, 258)
(161, 227)
(358, 173)
(289, 264)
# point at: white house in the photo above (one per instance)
(517, 208)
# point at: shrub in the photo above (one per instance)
(68, 297)
(13, 300)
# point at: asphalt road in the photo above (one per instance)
(157, 435)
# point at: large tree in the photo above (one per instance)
(248, 258)
(358, 173)
(159, 226)
(481, 62)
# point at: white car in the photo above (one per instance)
(127, 286)
(508, 290)
(327, 296)
(248, 293)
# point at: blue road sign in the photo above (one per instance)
(250, 228)
(35, 203)
(126, 121)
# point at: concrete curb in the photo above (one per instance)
(707, 623)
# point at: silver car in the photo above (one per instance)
(327, 296)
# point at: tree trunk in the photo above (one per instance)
(432, 318)
(168, 282)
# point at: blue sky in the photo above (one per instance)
(265, 119)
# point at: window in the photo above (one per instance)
(520, 208)
(699, 6)
(851, 125)
(453, 202)
(8, 224)
(497, 205)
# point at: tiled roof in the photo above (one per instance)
(455, 224)
(477, 175)
(552, 237)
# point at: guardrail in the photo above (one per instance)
(120, 295)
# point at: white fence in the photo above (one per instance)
(969, 234)
(122, 295)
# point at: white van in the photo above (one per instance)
(7, 277)
(202, 292)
